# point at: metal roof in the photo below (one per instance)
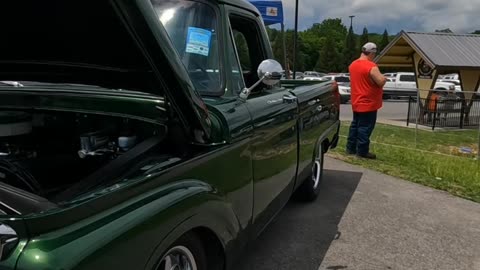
(440, 50)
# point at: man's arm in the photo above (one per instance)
(377, 77)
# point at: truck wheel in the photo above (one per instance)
(309, 189)
(187, 253)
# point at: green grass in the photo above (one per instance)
(435, 160)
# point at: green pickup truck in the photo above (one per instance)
(148, 134)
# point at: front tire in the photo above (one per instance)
(187, 253)
(309, 189)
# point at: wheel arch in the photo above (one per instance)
(215, 223)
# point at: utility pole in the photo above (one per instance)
(351, 20)
(295, 40)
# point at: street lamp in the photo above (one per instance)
(295, 40)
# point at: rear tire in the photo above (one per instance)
(309, 189)
(186, 253)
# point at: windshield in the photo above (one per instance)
(342, 79)
(192, 28)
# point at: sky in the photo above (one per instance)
(411, 15)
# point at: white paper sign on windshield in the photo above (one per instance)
(198, 41)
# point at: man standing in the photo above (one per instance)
(366, 83)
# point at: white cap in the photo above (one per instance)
(369, 47)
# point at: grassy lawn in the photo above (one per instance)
(436, 161)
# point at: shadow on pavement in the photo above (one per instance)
(300, 236)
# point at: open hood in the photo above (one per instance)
(117, 44)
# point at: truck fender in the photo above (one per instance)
(209, 211)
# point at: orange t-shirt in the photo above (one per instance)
(366, 96)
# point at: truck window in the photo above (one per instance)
(407, 78)
(249, 47)
(342, 79)
(192, 28)
(242, 50)
(236, 82)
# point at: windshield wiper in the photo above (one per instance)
(12, 83)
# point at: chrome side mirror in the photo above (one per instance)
(269, 72)
(8, 240)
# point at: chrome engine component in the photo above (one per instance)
(125, 143)
(95, 144)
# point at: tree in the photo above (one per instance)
(350, 50)
(364, 38)
(476, 32)
(314, 40)
(384, 42)
(329, 59)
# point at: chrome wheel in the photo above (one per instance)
(317, 168)
(178, 258)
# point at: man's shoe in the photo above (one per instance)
(350, 152)
(368, 156)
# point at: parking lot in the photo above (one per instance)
(364, 220)
(393, 110)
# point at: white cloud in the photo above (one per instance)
(426, 15)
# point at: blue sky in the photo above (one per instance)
(412, 15)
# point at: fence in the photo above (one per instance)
(445, 109)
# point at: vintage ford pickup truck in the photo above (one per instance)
(148, 134)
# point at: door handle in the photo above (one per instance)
(289, 99)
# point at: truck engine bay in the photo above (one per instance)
(47, 152)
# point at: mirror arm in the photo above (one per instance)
(246, 91)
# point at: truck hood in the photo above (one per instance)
(116, 44)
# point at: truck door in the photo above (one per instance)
(274, 115)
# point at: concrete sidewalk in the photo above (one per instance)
(394, 224)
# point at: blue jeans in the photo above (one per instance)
(360, 131)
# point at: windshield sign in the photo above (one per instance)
(192, 28)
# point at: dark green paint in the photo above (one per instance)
(256, 153)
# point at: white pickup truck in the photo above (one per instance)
(406, 81)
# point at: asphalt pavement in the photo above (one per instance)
(393, 110)
(365, 220)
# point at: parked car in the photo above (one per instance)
(458, 86)
(313, 74)
(453, 76)
(343, 86)
(406, 81)
(128, 143)
(299, 75)
(391, 75)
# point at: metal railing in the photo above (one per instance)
(444, 109)
(399, 92)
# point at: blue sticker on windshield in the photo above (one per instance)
(198, 41)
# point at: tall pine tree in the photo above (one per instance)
(350, 50)
(328, 60)
(384, 42)
(364, 37)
